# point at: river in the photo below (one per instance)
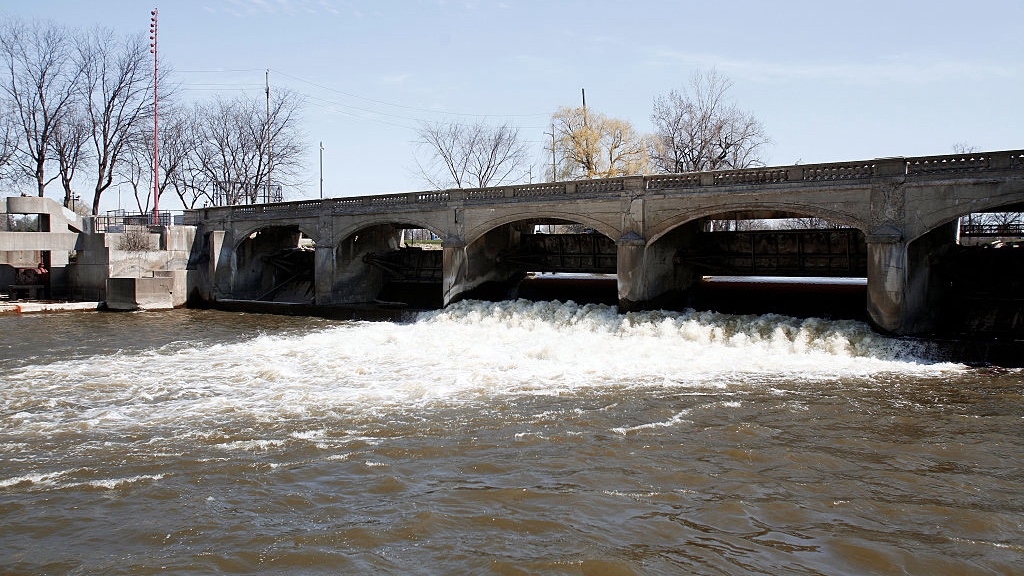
(500, 438)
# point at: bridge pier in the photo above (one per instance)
(649, 273)
(323, 275)
(631, 271)
(887, 263)
(453, 269)
(906, 287)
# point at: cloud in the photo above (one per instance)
(242, 8)
(394, 79)
(898, 69)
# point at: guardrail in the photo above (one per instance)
(924, 166)
(116, 221)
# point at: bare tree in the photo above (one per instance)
(699, 129)
(69, 146)
(8, 142)
(117, 87)
(180, 159)
(41, 74)
(592, 145)
(808, 223)
(963, 148)
(475, 155)
(239, 152)
(179, 155)
(137, 171)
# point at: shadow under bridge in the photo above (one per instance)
(552, 259)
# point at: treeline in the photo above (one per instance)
(77, 111)
(697, 128)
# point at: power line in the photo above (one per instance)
(364, 98)
(382, 102)
(342, 107)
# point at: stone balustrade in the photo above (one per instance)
(918, 167)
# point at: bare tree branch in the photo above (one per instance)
(116, 89)
(233, 147)
(69, 145)
(8, 142)
(39, 89)
(477, 155)
(700, 130)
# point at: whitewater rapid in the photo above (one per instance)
(509, 437)
(468, 351)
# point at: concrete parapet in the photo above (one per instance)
(61, 218)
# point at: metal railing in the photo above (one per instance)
(116, 220)
(1008, 230)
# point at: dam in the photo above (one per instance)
(892, 222)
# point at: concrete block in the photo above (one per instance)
(157, 293)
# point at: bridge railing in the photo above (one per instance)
(924, 166)
(1009, 229)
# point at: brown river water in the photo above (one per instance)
(500, 438)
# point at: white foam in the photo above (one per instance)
(37, 479)
(673, 421)
(112, 483)
(468, 352)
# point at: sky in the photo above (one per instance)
(830, 81)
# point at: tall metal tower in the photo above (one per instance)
(156, 122)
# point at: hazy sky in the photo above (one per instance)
(830, 81)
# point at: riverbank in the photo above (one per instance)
(40, 307)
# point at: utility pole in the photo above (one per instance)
(587, 151)
(554, 170)
(321, 169)
(156, 124)
(584, 92)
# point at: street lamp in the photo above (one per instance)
(321, 169)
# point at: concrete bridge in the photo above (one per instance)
(900, 214)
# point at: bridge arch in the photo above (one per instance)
(955, 283)
(480, 229)
(687, 262)
(306, 229)
(273, 262)
(372, 262)
(988, 199)
(845, 219)
(506, 256)
(386, 220)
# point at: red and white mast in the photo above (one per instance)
(156, 123)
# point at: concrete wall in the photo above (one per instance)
(82, 261)
(54, 244)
